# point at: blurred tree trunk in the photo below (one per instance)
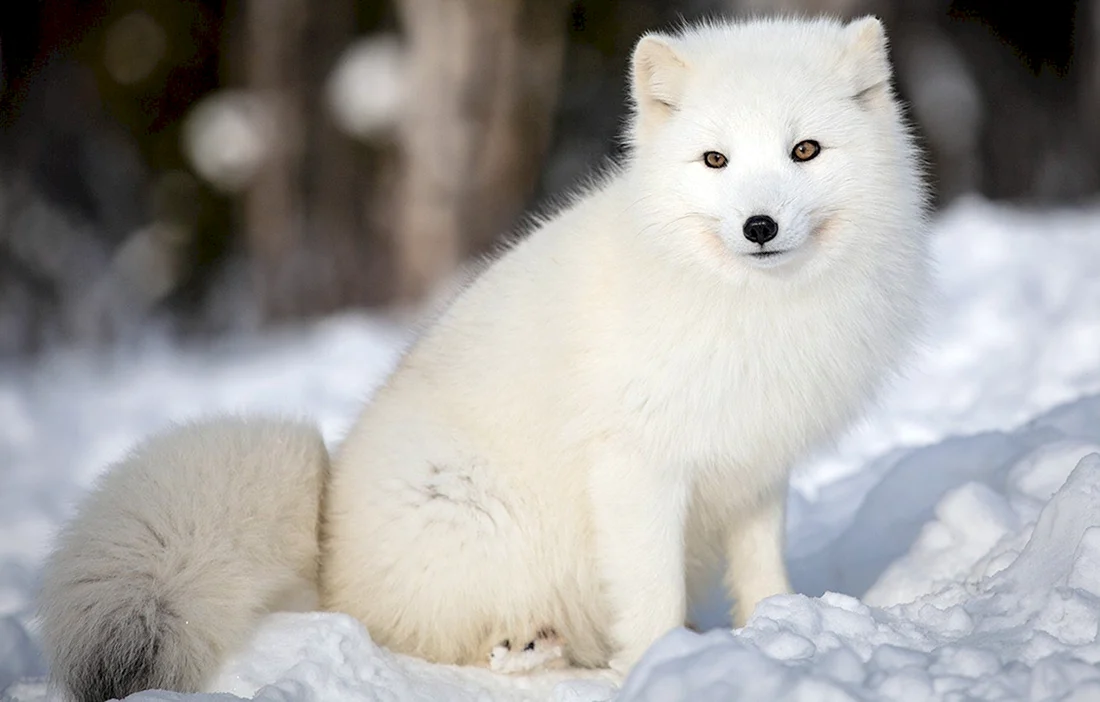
(331, 176)
(484, 81)
(273, 209)
(302, 214)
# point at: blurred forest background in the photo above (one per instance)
(205, 166)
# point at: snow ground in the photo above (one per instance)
(965, 511)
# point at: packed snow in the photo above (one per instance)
(963, 513)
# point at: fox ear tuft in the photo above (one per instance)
(659, 74)
(867, 56)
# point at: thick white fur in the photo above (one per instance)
(617, 401)
(607, 412)
(177, 552)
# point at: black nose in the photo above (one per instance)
(760, 229)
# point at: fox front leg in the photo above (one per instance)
(754, 550)
(639, 513)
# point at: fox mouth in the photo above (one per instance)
(769, 258)
(768, 254)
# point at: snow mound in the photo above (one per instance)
(998, 599)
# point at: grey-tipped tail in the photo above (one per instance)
(171, 560)
(138, 646)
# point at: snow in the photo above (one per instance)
(964, 512)
(984, 606)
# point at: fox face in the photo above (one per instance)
(767, 151)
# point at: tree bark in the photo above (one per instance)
(484, 82)
(273, 208)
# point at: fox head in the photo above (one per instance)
(774, 149)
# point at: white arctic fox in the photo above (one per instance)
(609, 409)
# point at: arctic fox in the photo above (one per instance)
(606, 412)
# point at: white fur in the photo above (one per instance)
(612, 407)
(617, 401)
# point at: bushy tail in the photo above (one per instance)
(178, 551)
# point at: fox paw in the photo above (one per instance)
(542, 652)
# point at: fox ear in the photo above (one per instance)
(659, 73)
(868, 57)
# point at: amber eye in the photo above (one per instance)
(713, 159)
(806, 150)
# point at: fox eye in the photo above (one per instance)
(805, 150)
(713, 159)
